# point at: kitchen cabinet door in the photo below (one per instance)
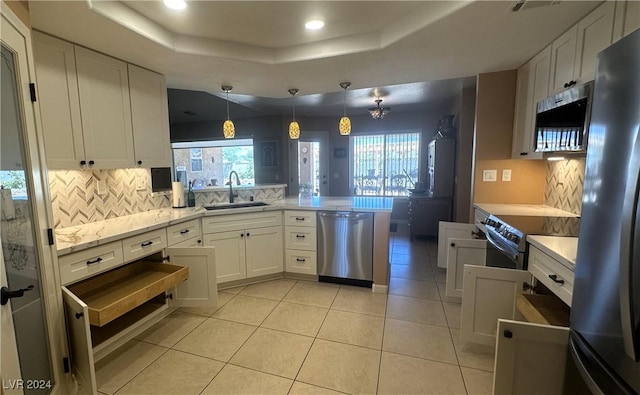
(200, 289)
(229, 255)
(105, 109)
(530, 358)
(489, 294)
(59, 102)
(563, 58)
(451, 230)
(150, 118)
(264, 251)
(631, 17)
(595, 33)
(463, 252)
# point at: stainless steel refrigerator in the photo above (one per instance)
(605, 313)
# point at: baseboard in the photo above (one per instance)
(380, 289)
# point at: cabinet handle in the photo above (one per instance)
(299, 218)
(91, 163)
(91, 262)
(524, 153)
(241, 234)
(139, 162)
(146, 243)
(570, 84)
(555, 279)
(169, 296)
(301, 260)
(79, 315)
(199, 241)
(83, 163)
(248, 234)
(185, 231)
(300, 236)
(507, 333)
(453, 244)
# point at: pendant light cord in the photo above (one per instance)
(227, 91)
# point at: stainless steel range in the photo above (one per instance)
(506, 245)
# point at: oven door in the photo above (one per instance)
(501, 254)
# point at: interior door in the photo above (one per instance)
(489, 294)
(9, 362)
(530, 358)
(451, 230)
(200, 289)
(463, 252)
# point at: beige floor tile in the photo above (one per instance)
(234, 290)
(400, 374)
(314, 294)
(440, 275)
(296, 318)
(403, 259)
(416, 310)
(273, 352)
(409, 249)
(412, 272)
(246, 310)
(453, 311)
(442, 289)
(341, 367)
(299, 388)
(174, 372)
(238, 380)
(117, 368)
(471, 355)
(478, 382)
(275, 289)
(168, 331)
(216, 339)
(419, 340)
(223, 298)
(353, 328)
(360, 301)
(415, 289)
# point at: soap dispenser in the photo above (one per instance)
(191, 196)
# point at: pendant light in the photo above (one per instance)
(228, 129)
(345, 123)
(294, 128)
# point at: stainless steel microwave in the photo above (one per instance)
(562, 120)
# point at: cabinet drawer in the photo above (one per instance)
(115, 293)
(301, 262)
(300, 218)
(233, 222)
(300, 238)
(552, 274)
(82, 264)
(192, 242)
(145, 244)
(184, 231)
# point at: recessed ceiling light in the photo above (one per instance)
(175, 4)
(314, 25)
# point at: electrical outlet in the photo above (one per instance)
(140, 184)
(506, 175)
(101, 185)
(490, 175)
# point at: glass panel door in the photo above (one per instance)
(312, 164)
(19, 246)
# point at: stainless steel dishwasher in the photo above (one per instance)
(345, 247)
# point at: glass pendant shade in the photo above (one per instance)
(228, 129)
(294, 130)
(344, 126)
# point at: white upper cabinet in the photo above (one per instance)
(150, 118)
(595, 33)
(563, 59)
(631, 17)
(105, 109)
(59, 103)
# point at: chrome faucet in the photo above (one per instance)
(232, 194)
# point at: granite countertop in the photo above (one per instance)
(562, 249)
(85, 236)
(525, 210)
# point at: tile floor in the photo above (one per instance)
(299, 337)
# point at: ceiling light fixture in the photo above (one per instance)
(175, 4)
(345, 123)
(228, 129)
(294, 127)
(314, 25)
(379, 112)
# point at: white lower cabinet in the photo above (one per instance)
(451, 230)
(106, 310)
(300, 234)
(463, 252)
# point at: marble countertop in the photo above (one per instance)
(562, 249)
(525, 210)
(85, 236)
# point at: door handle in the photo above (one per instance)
(6, 294)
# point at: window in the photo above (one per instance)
(385, 164)
(208, 163)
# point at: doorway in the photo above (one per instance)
(310, 164)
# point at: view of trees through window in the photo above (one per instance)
(208, 163)
(385, 164)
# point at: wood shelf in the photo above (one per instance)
(113, 294)
(543, 309)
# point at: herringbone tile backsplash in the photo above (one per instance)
(564, 191)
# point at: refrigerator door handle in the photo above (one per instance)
(629, 234)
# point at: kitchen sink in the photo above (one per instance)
(236, 205)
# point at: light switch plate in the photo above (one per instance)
(506, 175)
(101, 185)
(490, 175)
